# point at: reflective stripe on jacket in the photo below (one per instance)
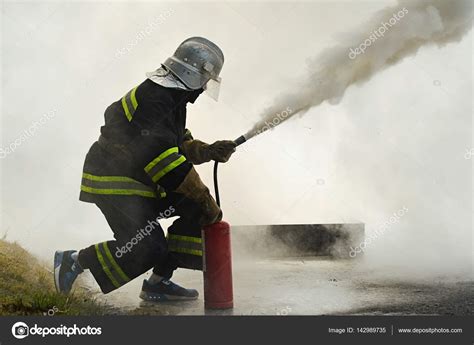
(138, 152)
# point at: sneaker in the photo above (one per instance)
(166, 290)
(66, 270)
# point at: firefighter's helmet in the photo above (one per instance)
(197, 63)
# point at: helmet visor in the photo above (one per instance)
(212, 88)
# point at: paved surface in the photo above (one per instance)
(309, 286)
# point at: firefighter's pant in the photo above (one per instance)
(140, 243)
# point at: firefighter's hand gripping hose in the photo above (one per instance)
(198, 152)
(240, 140)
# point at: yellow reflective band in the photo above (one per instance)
(160, 158)
(168, 168)
(125, 108)
(117, 191)
(134, 99)
(186, 251)
(129, 103)
(114, 263)
(105, 267)
(108, 178)
(185, 238)
(161, 191)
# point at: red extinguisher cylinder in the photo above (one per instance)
(218, 291)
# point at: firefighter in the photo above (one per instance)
(141, 170)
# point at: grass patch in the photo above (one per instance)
(27, 288)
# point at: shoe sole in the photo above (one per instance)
(58, 259)
(160, 297)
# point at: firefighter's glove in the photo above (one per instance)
(193, 188)
(198, 152)
(221, 150)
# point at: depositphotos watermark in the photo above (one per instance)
(284, 312)
(52, 311)
(276, 120)
(21, 330)
(27, 134)
(469, 153)
(142, 34)
(376, 34)
(142, 233)
(381, 229)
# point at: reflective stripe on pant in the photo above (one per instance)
(140, 243)
(184, 238)
(115, 274)
(185, 244)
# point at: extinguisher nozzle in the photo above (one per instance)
(240, 140)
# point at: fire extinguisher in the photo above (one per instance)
(217, 265)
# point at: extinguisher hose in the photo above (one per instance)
(216, 185)
(240, 140)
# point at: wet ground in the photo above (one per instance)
(310, 286)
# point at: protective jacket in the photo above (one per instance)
(134, 173)
(138, 152)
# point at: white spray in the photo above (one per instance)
(388, 37)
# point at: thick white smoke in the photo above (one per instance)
(388, 37)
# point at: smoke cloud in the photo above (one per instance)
(391, 35)
(398, 141)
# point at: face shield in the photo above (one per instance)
(212, 88)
